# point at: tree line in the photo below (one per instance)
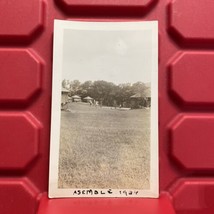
(108, 93)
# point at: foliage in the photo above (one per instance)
(107, 93)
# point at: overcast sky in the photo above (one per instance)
(114, 56)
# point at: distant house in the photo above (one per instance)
(64, 96)
(148, 97)
(137, 100)
(76, 98)
(140, 100)
(88, 99)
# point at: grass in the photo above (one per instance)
(104, 148)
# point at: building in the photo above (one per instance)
(64, 96)
(137, 101)
(148, 97)
(140, 100)
(88, 99)
(76, 98)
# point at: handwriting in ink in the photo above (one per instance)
(92, 192)
(128, 192)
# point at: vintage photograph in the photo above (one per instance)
(104, 110)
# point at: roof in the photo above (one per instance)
(64, 90)
(76, 97)
(148, 84)
(138, 95)
(87, 98)
(146, 93)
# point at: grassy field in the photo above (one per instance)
(104, 148)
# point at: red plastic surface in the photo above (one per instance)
(104, 206)
(16, 64)
(186, 103)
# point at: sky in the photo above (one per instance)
(113, 56)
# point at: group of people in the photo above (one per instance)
(95, 103)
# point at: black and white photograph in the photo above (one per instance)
(104, 123)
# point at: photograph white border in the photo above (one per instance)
(59, 27)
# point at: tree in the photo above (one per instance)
(104, 92)
(66, 84)
(139, 87)
(75, 87)
(86, 89)
(107, 93)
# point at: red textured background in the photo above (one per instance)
(186, 103)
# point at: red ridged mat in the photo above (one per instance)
(186, 104)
